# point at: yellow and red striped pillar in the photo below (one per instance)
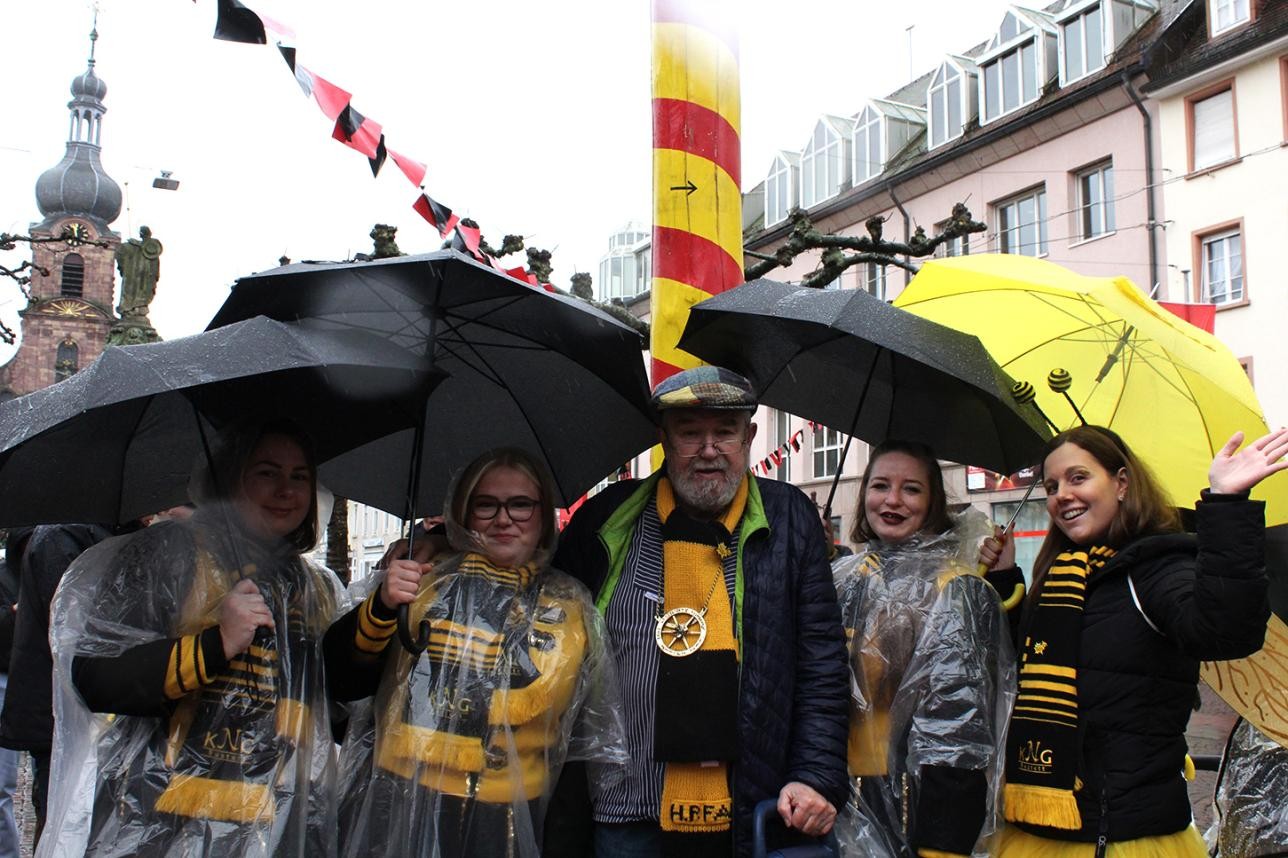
(697, 176)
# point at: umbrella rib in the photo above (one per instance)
(522, 347)
(1065, 337)
(138, 419)
(484, 368)
(1135, 354)
(340, 321)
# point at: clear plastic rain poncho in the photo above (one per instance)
(462, 748)
(932, 678)
(203, 757)
(1252, 797)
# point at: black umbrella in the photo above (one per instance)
(522, 367)
(119, 439)
(853, 362)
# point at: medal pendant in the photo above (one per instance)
(681, 631)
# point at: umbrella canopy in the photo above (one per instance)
(119, 439)
(1172, 391)
(521, 367)
(848, 360)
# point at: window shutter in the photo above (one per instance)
(1213, 129)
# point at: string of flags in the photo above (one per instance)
(236, 22)
(792, 445)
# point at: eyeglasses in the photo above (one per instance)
(518, 508)
(689, 446)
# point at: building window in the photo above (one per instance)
(1283, 91)
(1212, 134)
(874, 280)
(1014, 66)
(822, 165)
(1222, 262)
(827, 451)
(1245, 362)
(959, 246)
(1082, 44)
(868, 160)
(1011, 81)
(66, 359)
(1030, 529)
(1226, 14)
(73, 279)
(782, 437)
(1021, 224)
(778, 192)
(1096, 201)
(945, 100)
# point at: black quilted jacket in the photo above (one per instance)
(793, 681)
(1137, 684)
(27, 723)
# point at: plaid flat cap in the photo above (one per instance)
(705, 387)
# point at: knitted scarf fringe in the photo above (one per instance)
(1055, 808)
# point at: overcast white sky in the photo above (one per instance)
(533, 118)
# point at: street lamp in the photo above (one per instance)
(164, 182)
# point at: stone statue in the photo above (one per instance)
(139, 261)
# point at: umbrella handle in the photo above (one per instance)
(413, 645)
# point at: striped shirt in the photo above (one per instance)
(631, 618)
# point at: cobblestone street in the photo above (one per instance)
(23, 813)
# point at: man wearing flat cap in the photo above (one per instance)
(722, 615)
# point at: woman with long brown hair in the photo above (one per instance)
(1123, 608)
(931, 666)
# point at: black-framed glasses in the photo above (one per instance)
(687, 447)
(518, 508)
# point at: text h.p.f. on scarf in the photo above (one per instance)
(697, 692)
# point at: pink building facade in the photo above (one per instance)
(1065, 169)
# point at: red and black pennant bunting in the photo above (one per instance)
(440, 217)
(235, 22)
(358, 132)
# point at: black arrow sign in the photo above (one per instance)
(688, 188)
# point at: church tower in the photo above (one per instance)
(67, 319)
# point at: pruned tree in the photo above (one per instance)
(843, 251)
(839, 252)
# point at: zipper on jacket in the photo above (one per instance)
(1102, 838)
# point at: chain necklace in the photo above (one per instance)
(681, 631)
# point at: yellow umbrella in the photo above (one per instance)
(1175, 393)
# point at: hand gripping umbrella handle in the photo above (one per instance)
(413, 645)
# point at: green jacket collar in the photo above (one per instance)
(615, 534)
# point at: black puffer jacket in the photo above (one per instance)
(794, 693)
(1137, 685)
(27, 723)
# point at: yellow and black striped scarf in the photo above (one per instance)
(229, 733)
(696, 706)
(480, 618)
(1042, 743)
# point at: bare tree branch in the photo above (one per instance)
(867, 248)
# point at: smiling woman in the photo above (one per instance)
(931, 667)
(276, 487)
(465, 741)
(200, 643)
(1119, 594)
